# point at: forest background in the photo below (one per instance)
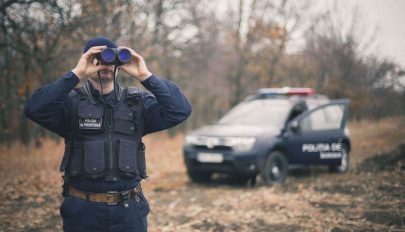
(218, 52)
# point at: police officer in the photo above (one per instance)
(103, 124)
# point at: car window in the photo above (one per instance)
(325, 118)
(271, 113)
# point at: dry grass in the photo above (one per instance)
(373, 137)
(21, 160)
(164, 159)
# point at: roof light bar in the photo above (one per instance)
(286, 91)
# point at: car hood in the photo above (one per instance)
(235, 130)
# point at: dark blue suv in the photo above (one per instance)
(267, 133)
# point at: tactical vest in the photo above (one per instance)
(105, 141)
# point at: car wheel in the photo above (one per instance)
(344, 166)
(199, 177)
(275, 169)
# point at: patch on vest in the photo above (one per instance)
(90, 123)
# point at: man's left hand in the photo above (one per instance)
(136, 66)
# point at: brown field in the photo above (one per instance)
(370, 197)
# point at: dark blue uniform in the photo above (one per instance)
(50, 107)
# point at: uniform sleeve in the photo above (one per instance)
(165, 106)
(49, 105)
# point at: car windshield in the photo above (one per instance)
(268, 113)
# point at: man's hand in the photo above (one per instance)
(136, 66)
(86, 65)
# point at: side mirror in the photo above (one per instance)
(295, 126)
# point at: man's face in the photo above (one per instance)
(106, 75)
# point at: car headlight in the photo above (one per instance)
(237, 143)
(242, 143)
(347, 132)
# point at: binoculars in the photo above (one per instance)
(114, 56)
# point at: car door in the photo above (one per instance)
(315, 137)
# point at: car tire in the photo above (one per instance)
(199, 177)
(275, 169)
(344, 166)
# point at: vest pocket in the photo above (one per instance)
(124, 121)
(127, 163)
(90, 118)
(141, 161)
(124, 127)
(123, 114)
(66, 156)
(94, 161)
(76, 159)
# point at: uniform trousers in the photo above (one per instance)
(81, 215)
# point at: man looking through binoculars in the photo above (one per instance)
(90, 66)
(103, 124)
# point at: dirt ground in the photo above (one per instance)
(370, 197)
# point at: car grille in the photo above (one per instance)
(225, 167)
(215, 148)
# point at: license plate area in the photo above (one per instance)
(210, 157)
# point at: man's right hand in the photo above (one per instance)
(86, 65)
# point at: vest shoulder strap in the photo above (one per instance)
(133, 95)
(133, 99)
(77, 93)
(133, 90)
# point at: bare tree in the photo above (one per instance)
(260, 33)
(338, 48)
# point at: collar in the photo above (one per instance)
(94, 94)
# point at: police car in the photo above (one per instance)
(269, 132)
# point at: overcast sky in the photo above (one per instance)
(389, 17)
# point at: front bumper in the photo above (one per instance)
(245, 163)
